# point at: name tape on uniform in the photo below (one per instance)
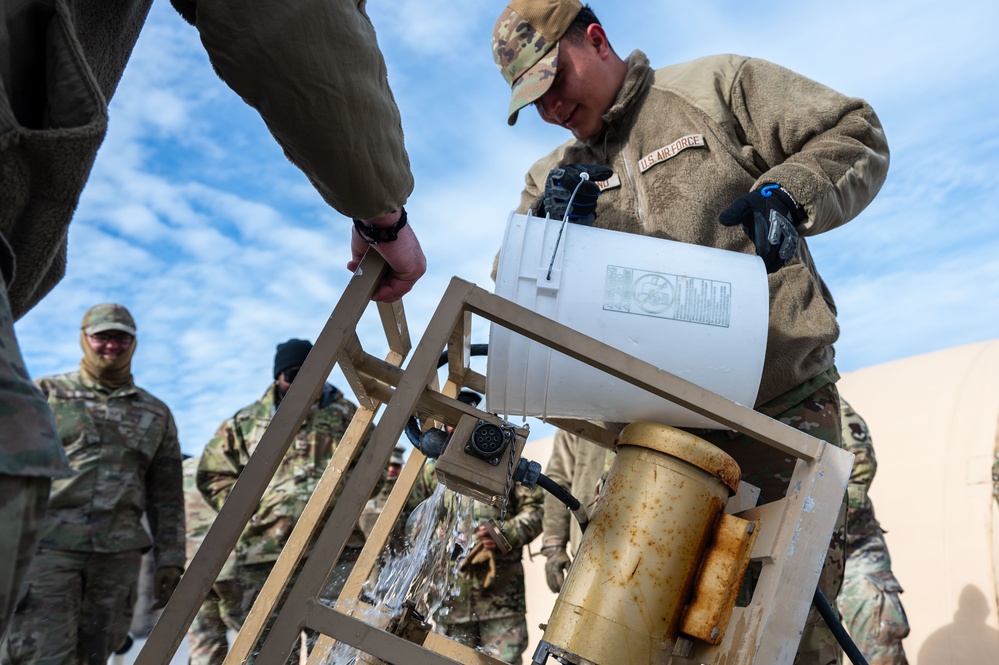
(613, 181)
(671, 150)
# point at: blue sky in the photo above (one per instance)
(194, 219)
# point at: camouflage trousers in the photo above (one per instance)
(870, 604)
(75, 608)
(769, 469)
(504, 638)
(22, 510)
(253, 575)
(220, 612)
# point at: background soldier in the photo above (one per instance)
(488, 609)
(869, 600)
(576, 464)
(285, 498)
(76, 603)
(220, 611)
(374, 506)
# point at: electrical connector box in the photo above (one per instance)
(480, 458)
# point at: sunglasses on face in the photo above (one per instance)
(290, 374)
(119, 338)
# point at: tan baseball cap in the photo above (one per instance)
(108, 316)
(525, 46)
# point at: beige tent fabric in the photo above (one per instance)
(934, 421)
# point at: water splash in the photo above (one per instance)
(422, 572)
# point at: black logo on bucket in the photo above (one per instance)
(666, 296)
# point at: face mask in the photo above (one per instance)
(111, 373)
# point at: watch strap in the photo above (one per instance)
(375, 235)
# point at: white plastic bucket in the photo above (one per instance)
(697, 312)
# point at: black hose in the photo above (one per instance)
(413, 431)
(558, 492)
(844, 639)
(473, 350)
(563, 495)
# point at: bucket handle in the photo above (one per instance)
(583, 177)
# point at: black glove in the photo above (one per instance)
(563, 180)
(769, 216)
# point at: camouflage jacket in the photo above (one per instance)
(200, 517)
(506, 596)
(123, 446)
(285, 498)
(861, 525)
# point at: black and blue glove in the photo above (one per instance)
(565, 180)
(769, 216)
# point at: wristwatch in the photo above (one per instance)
(376, 235)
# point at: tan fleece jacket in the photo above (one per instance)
(687, 140)
(312, 69)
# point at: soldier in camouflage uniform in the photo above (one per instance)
(285, 498)
(220, 611)
(373, 508)
(869, 601)
(485, 611)
(76, 603)
(488, 610)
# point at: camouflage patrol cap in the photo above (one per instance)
(397, 456)
(108, 316)
(525, 46)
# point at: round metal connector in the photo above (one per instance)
(488, 440)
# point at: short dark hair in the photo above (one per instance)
(576, 31)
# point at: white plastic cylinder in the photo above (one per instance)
(697, 312)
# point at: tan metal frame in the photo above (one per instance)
(789, 545)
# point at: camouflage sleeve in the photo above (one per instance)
(857, 439)
(165, 500)
(557, 517)
(220, 466)
(524, 516)
(995, 478)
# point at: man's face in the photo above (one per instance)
(584, 87)
(109, 344)
(285, 378)
(393, 471)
